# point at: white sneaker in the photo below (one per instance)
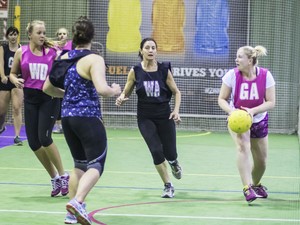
(78, 210)
(168, 191)
(70, 218)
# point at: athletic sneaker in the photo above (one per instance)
(58, 129)
(260, 190)
(176, 169)
(249, 193)
(17, 141)
(56, 186)
(70, 218)
(168, 191)
(64, 181)
(78, 210)
(2, 130)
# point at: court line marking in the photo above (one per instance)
(3, 136)
(132, 188)
(141, 138)
(203, 217)
(154, 173)
(91, 214)
(117, 138)
(161, 216)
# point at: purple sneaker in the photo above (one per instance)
(260, 190)
(249, 194)
(64, 180)
(78, 210)
(56, 186)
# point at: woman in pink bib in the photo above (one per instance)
(250, 88)
(34, 62)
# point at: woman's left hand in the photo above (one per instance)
(248, 110)
(19, 83)
(175, 116)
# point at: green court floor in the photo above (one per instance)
(210, 192)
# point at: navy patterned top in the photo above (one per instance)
(81, 98)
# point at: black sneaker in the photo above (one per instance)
(18, 141)
(2, 130)
(168, 191)
(176, 169)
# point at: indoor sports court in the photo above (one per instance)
(200, 38)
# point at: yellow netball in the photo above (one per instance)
(239, 121)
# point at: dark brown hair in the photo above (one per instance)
(143, 43)
(83, 31)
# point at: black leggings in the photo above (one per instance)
(39, 122)
(59, 113)
(86, 138)
(160, 136)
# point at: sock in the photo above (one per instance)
(78, 201)
(65, 174)
(56, 177)
(246, 187)
(169, 184)
(173, 162)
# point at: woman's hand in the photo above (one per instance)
(19, 83)
(116, 88)
(175, 116)
(121, 100)
(4, 79)
(248, 110)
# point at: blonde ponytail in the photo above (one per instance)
(254, 53)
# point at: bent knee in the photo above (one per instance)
(46, 141)
(34, 146)
(81, 165)
(96, 165)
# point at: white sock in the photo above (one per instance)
(56, 177)
(66, 174)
